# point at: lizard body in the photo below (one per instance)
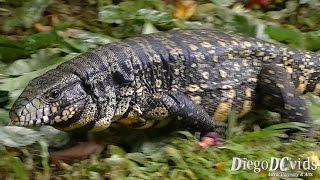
(193, 78)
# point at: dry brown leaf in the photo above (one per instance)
(219, 165)
(185, 9)
(39, 27)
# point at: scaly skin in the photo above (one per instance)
(191, 79)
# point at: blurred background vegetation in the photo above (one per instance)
(37, 35)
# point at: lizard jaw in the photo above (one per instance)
(32, 113)
(16, 121)
(37, 113)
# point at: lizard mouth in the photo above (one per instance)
(36, 113)
(31, 114)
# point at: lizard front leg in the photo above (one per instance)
(161, 109)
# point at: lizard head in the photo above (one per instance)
(55, 98)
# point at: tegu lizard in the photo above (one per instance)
(191, 79)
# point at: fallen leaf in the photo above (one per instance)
(218, 165)
(185, 9)
(39, 27)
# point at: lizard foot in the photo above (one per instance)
(209, 139)
(77, 152)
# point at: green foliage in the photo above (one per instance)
(180, 159)
(128, 17)
(26, 15)
(12, 50)
(18, 136)
(294, 37)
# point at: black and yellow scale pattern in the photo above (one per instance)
(191, 78)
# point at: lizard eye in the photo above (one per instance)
(54, 94)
